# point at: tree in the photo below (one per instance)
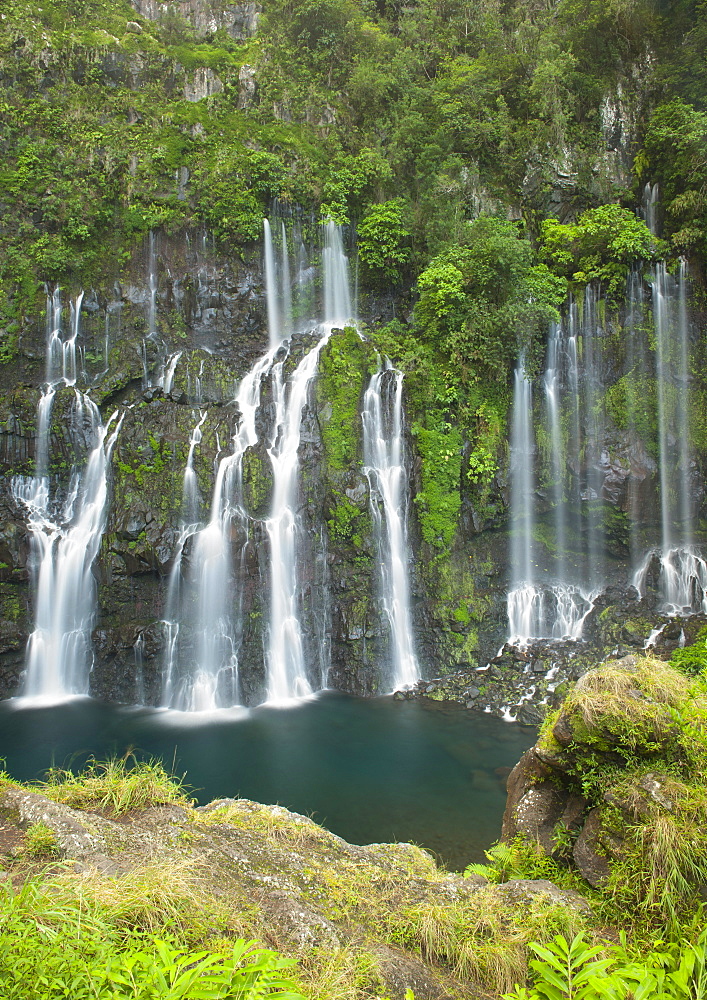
(601, 245)
(384, 241)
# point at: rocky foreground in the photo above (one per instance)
(617, 771)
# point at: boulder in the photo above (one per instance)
(588, 853)
(537, 804)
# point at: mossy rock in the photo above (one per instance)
(345, 368)
(630, 741)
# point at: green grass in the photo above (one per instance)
(57, 944)
(40, 842)
(118, 785)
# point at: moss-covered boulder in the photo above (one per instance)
(619, 774)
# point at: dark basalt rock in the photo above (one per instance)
(588, 852)
(536, 804)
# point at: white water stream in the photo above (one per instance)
(384, 466)
(66, 532)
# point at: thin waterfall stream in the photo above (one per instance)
(384, 466)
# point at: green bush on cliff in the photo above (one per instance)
(486, 299)
(345, 366)
(633, 740)
(383, 241)
(601, 245)
(439, 500)
(673, 155)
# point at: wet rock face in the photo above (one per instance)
(209, 328)
(523, 682)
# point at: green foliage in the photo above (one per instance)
(504, 863)
(674, 155)
(568, 970)
(577, 970)
(383, 241)
(692, 659)
(483, 301)
(524, 858)
(439, 501)
(344, 366)
(345, 521)
(53, 946)
(601, 245)
(119, 784)
(160, 971)
(632, 403)
(40, 841)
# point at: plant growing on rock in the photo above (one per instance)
(40, 842)
(119, 785)
(625, 758)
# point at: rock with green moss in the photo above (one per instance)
(381, 919)
(621, 769)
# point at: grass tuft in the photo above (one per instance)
(118, 785)
(157, 898)
(40, 842)
(483, 942)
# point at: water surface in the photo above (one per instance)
(369, 770)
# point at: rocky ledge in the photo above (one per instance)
(615, 789)
(263, 871)
(611, 804)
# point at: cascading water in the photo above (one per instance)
(548, 601)
(552, 388)
(204, 599)
(66, 534)
(201, 661)
(384, 466)
(594, 427)
(522, 591)
(683, 571)
(273, 304)
(286, 668)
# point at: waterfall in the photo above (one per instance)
(211, 682)
(152, 287)
(204, 621)
(287, 672)
(165, 366)
(384, 466)
(65, 544)
(522, 590)
(190, 488)
(65, 531)
(594, 427)
(335, 265)
(286, 285)
(271, 289)
(557, 464)
(637, 372)
(170, 367)
(547, 601)
(683, 571)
